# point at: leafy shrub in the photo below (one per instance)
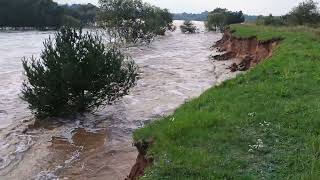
(132, 21)
(188, 27)
(306, 13)
(158, 21)
(75, 73)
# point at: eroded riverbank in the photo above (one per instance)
(174, 69)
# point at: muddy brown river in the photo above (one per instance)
(174, 69)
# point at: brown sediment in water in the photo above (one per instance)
(174, 69)
(250, 51)
(81, 138)
(80, 145)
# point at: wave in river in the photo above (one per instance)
(174, 69)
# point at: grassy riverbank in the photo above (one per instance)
(264, 124)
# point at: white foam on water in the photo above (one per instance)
(51, 174)
(174, 69)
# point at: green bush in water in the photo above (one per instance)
(188, 27)
(76, 73)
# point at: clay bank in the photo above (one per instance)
(250, 51)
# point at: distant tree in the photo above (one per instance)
(306, 13)
(86, 14)
(235, 17)
(30, 13)
(270, 20)
(216, 19)
(219, 18)
(250, 18)
(70, 21)
(188, 27)
(191, 16)
(42, 14)
(157, 20)
(132, 21)
(75, 73)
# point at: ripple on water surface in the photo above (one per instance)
(175, 68)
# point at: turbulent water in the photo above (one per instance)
(174, 69)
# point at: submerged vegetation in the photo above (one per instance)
(220, 18)
(261, 125)
(188, 27)
(76, 73)
(131, 21)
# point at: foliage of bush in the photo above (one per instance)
(132, 21)
(86, 13)
(188, 27)
(219, 18)
(76, 73)
(306, 13)
(158, 20)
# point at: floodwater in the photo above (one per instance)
(174, 69)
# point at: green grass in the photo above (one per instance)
(264, 124)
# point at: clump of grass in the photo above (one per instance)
(261, 125)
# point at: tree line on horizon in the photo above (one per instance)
(42, 14)
(306, 13)
(203, 16)
(191, 16)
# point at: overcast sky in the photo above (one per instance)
(253, 7)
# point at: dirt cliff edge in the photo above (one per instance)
(142, 162)
(250, 51)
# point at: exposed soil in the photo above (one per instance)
(250, 51)
(142, 162)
